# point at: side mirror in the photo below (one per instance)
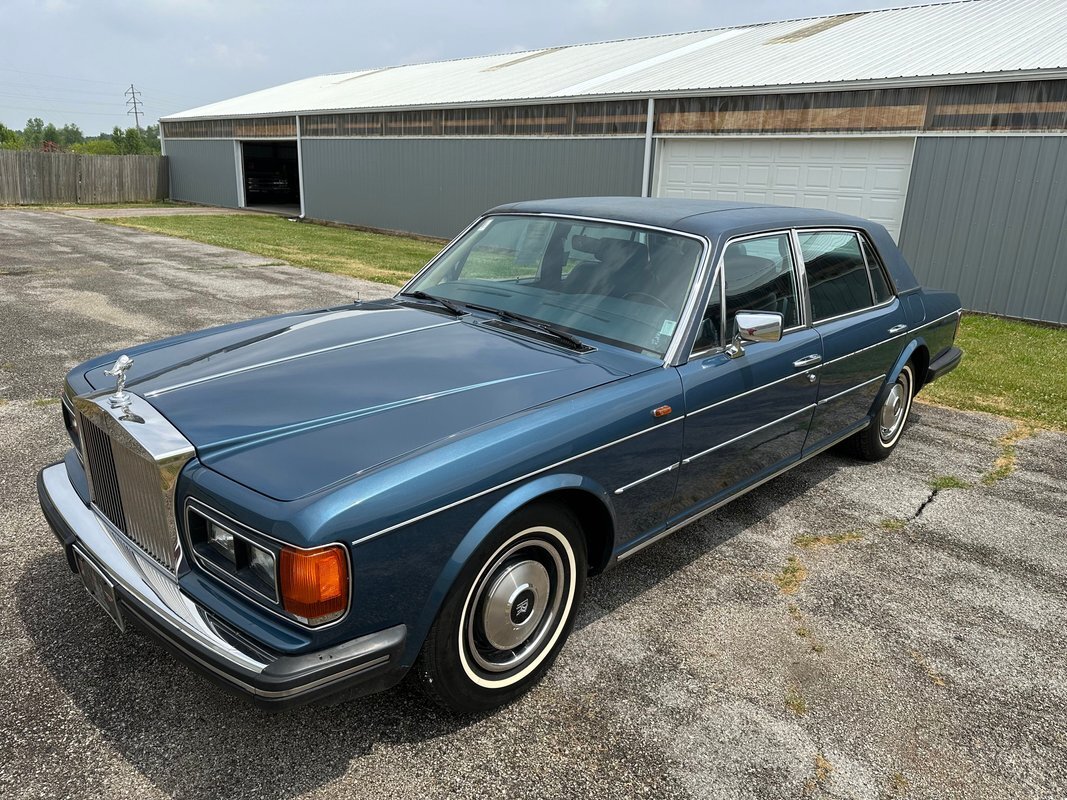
(755, 326)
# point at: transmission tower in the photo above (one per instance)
(134, 103)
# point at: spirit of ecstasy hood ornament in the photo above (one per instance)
(121, 398)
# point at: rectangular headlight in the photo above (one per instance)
(222, 540)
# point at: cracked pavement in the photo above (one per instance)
(819, 637)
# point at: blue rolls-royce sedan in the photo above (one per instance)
(327, 500)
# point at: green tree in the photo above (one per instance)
(151, 139)
(96, 147)
(9, 139)
(33, 133)
(70, 135)
(50, 134)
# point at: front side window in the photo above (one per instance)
(760, 275)
(614, 283)
(837, 273)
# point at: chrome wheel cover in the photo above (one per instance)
(515, 605)
(894, 410)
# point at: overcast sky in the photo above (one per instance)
(71, 60)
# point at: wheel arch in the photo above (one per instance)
(582, 496)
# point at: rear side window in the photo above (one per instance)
(879, 283)
(837, 273)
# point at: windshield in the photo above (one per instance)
(618, 284)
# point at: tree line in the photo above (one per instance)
(70, 139)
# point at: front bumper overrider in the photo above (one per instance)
(155, 603)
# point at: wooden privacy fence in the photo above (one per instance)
(27, 176)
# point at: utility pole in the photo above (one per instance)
(134, 104)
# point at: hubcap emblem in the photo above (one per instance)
(520, 610)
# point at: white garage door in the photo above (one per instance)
(867, 177)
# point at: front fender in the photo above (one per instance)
(517, 498)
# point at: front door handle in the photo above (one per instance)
(808, 361)
(898, 328)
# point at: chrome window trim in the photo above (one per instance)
(886, 304)
(731, 497)
(513, 481)
(720, 272)
(858, 386)
(859, 234)
(204, 507)
(879, 262)
(655, 474)
(696, 285)
(702, 453)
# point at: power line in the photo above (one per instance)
(134, 103)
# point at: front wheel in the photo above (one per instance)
(879, 438)
(508, 614)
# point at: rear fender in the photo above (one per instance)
(898, 367)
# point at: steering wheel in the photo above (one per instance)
(655, 300)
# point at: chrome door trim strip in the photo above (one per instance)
(476, 495)
(702, 453)
(775, 382)
(832, 397)
(655, 474)
(678, 526)
(285, 359)
(891, 338)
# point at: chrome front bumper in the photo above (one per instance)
(153, 599)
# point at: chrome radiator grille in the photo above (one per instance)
(128, 488)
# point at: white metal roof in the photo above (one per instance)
(962, 40)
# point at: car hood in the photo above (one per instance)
(290, 405)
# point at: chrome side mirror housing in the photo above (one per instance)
(755, 326)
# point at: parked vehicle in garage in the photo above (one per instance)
(326, 500)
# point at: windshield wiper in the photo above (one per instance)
(572, 341)
(418, 294)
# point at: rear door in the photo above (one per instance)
(860, 322)
(747, 417)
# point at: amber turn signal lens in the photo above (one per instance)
(315, 583)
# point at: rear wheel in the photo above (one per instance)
(879, 438)
(509, 613)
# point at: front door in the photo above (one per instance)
(747, 417)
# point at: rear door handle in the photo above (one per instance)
(808, 361)
(898, 328)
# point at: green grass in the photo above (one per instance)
(1015, 369)
(942, 482)
(371, 256)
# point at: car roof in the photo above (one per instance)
(711, 218)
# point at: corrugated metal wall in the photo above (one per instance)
(437, 186)
(203, 171)
(986, 217)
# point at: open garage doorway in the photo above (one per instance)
(271, 176)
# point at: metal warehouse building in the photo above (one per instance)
(947, 123)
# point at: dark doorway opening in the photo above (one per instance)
(272, 178)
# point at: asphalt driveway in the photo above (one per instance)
(844, 631)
